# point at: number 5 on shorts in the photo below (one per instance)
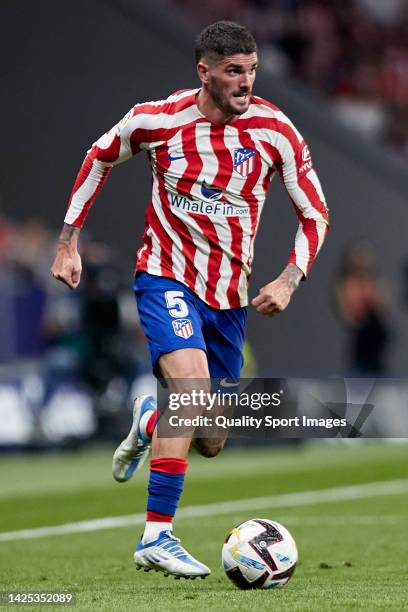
(175, 303)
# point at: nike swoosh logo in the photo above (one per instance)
(174, 157)
(225, 383)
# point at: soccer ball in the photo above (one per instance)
(259, 554)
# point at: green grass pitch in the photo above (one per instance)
(353, 553)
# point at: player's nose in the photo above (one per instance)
(245, 82)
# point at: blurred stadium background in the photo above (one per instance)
(71, 361)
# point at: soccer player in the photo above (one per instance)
(214, 151)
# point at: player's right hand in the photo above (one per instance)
(67, 266)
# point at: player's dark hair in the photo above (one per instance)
(224, 38)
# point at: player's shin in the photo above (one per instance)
(165, 487)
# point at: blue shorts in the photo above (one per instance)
(173, 317)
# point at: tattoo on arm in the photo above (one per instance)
(292, 275)
(68, 233)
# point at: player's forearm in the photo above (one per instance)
(310, 237)
(67, 263)
(305, 191)
(69, 236)
(109, 150)
(292, 275)
(89, 182)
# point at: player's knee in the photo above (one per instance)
(192, 372)
(189, 370)
(211, 452)
(190, 378)
(208, 448)
(185, 364)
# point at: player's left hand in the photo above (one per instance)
(273, 298)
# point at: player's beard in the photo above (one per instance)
(223, 100)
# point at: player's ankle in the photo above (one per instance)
(153, 528)
(165, 487)
(148, 423)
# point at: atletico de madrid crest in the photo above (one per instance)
(183, 328)
(244, 161)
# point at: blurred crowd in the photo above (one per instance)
(354, 51)
(363, 304)
(91, 334)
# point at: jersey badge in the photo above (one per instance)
(244, 161)
(183, 328)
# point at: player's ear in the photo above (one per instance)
(202, 71)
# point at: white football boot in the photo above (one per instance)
(166, 555)
(133, 450)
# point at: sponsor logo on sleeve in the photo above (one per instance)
(306, 153)
(307, 160)
(126, 117)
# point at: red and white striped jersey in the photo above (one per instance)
(209, 186)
